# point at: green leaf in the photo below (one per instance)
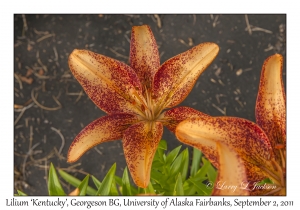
(75, 182)
(157, 164)
(162, 144)
(172, 155)
(204, 169)
(107, 181)
(196, 161)
(175, 166)
(113, 189)
(83, 185)
(54, 186)
(118, 180)
(201, 188)
(212, 173)
(150, 190)
(178, 189)
(184, 164)
(189, 188)
(21, 193)
(159, 156)
(158, 177)
(265, 181)
(126, 189)
(140, 191)
(96, 182)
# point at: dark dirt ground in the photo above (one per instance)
(51, 108)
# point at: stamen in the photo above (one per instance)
(282, 159)
(280, 172)
(141, 99)
(273, 176)
(274, 191)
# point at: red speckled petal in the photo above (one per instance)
(176, 77)
(270, 104)
(112, 85)
(104, 129)
(144, 56)
(172, 117)
(245, 137)
(140, 142)
(254, 175)
(231, 174)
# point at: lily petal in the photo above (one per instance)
(270, 103)
(176, 77)
(172, 117)
(231, 172)
(245, 137)
(144, 56)
(75, 192)
(140, 142)
(104, 129)
(113, 86)
(255, 174)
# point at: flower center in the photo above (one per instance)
(279, 175)
(146, 108)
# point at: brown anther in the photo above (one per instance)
(279, 146)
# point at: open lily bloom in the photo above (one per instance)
(244, 152)
(135, 96)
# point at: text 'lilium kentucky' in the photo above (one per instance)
(135, 96)
(244, 152)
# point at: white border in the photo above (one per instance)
(154, 6)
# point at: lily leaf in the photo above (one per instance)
(54, 186)
(212, 173)
(200, 187)
(149, 190)
(83, 185)
(113, 189)
(75, 182)
(196, 161)
(265, 181)
(126, 189)
(176, 165)
(184, 164)
(180, 164)
(21, 193)
(107, 181)
(172, 155)
(178, 189)
(118, 180)
(162, 145)
(96, 182)
(204, 168)
(189, 188)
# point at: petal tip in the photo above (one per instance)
(70, 158)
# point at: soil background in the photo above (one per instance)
(51, 108)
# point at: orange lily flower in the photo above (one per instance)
(134, 97)
(244, 152)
